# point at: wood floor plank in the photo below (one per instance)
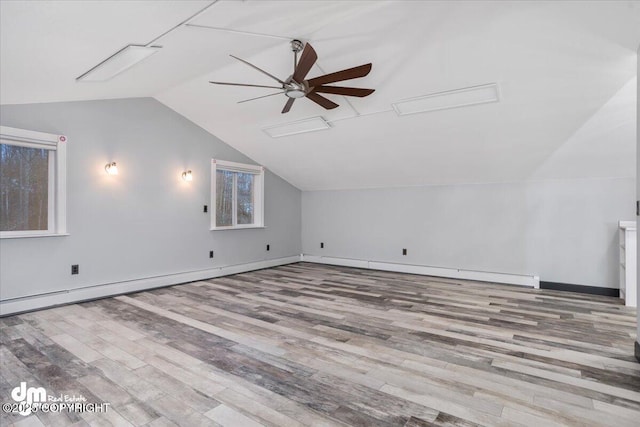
(307, 344)
(229, 417)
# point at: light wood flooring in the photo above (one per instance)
(307, 344)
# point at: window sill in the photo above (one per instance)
(29, 236)
(250, 227)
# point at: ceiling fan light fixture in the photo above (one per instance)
(295, 93)
(293, 128)
(118, 62)
(464, 97)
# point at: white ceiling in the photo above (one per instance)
(566, 72)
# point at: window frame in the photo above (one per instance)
(57, 178)
(258, 201)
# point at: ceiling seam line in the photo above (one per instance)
(360, 115)
(248, 33)
(184, 22)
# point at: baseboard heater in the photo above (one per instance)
(69, 296)
(425, 270)
(87, 293)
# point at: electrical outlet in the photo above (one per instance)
(404, 251)
(205, 209)
(210, 254)
(268, 247)
(75, 269)
(321, 245)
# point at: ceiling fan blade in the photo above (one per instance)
(259, 69)
(346, 91)
(243, 84)
(322, 101)
(263, 96)
(338, 76)
(308, 58)
(288, 105)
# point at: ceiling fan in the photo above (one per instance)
(295, 86)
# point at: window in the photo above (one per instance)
(237, 192)
(32, 183)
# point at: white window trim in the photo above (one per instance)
(258, 203)
(57, 212)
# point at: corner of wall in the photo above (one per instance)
(637, 344)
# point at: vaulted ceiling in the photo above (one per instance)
(566, 73)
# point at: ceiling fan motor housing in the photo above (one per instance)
(295, 89)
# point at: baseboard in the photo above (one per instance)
(637, 350)
(68, 296)
(452, 273)
(594, 290)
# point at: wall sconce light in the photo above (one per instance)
(187, 176)
(111, 168)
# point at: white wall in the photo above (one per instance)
(638, 192)
(561, 230)
(146, 221)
